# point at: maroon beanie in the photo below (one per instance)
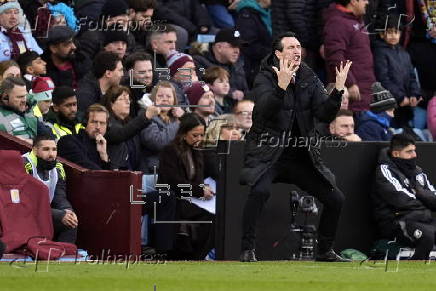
(177, 60)
(195, 91)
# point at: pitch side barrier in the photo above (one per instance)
(109, 224)
(352, 163)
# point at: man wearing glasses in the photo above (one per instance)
(244, 111)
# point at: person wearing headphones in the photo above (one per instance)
(15, 118)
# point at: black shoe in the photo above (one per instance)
(248, 256)
(147, 251)
(330, 256)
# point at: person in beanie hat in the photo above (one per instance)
(31, 66)
(176, 61)
(14, 41)
(182, 72)
(41, 94)
(374, 125)
(116, 42)
(202, 99)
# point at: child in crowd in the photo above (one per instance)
(395, 72)
(218, 80)
(31, 66)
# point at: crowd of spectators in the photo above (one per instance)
(111, 80)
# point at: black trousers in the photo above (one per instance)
(418, 235)
(202, 235)
(162, 232)
(300, 172)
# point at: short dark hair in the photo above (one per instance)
(166, 28)
(277, 42)
(400, 141)
(130, 61)
(40, 137)
(61, 93)
(343, 2)
(105, 61)
(393, 21)
(142, 5)
(25, 60)
(344, 112)
(9, 83)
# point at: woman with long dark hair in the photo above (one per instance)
(181, 168)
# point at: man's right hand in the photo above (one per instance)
(70, 219)
(286, 72)
(152, 111)
(354, 93)
(101, 147)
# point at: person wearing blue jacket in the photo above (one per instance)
(374, 124)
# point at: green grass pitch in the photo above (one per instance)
(227, 276)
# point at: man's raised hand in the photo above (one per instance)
(286, 72)
(341, 75)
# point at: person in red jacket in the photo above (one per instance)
(346, 38)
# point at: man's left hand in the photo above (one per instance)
(341, 75)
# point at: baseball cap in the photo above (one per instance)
(231, 36)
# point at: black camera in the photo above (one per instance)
(307, 232)
(305, 203)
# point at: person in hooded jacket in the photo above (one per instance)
(403, 198)
(254, 23)
(395, 71)
(374, 124)
(288, 97)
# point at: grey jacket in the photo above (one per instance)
(153, 139)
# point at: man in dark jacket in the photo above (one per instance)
(41, 164)
(65, 64)
(254, 22)
(88, 147)
(114, 17)
(300, 16)
(140, 78)
(404, 198)
(107, 72)
(225, 52)
(345, 37)
(188, 14)
(288, 98)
